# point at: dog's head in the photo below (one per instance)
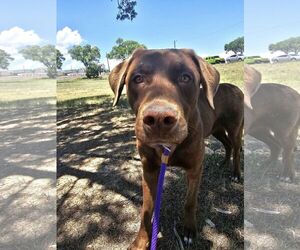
(163, 89)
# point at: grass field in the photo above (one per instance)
(231, 73)
(30, 91)
(285, 73)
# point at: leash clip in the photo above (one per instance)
(165, 155)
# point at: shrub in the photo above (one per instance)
(92, 70)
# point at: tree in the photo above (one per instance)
(89, 56)
(59, 59)
(289, 45)
(47, 55)
(237, 45)
(126, 10)
(5, 59)
(124, 49)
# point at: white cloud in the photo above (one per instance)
(18, 37)
(66, 38)
(12, 40)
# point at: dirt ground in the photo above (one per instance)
(272, 207)
(99, 186)
(99, 189)
(27, 177)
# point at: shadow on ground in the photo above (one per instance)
(271, 206)
(99, 184)
(27, 174)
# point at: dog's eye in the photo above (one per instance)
(185, 78)
(138, 79)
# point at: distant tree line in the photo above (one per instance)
(289, 45)
(237, 45)
(90, 55)
(87, 54)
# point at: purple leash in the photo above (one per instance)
(155, 224)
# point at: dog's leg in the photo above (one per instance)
(222, 137)
(237, 145)
(149, 183)
(263, 134)
(288, 156)
(193, 180)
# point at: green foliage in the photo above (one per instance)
(59, 59)
(289, 45)
(255, 59)
(92, 70)
(89, 56)
(126, 10)
(47, 55)
(237, 45)
(124, 49)
(5, 59)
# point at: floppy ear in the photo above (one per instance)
(117, 80)
(252, 81)
(209, 76)
(118, 74)
(210, 79)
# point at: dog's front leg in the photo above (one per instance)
(194, 175)
(149, 183)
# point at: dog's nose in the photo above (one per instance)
(157, 117)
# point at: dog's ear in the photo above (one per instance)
(117, 76)
(210, 79)
(209, 76)
(252, 81)
(117, 80)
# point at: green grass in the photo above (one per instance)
(91, 91)
(82, 91)
(231, 73)
(29, 91)
(285, 73)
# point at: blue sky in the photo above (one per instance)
(269, 21)
(199, 24)
(37, 15)
(202, 25)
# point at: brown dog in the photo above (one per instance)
(174, 95)
(272, 115)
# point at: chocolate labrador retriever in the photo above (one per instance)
(272, 115)
(175, 97)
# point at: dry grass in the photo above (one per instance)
(287, 73)
(31, 91)
(232, 73)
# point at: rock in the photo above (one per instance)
(208, 151)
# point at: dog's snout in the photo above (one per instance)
(157, 117)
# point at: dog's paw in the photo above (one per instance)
(138, 245)
(189, 236)
(235, 178)
(285, 179)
